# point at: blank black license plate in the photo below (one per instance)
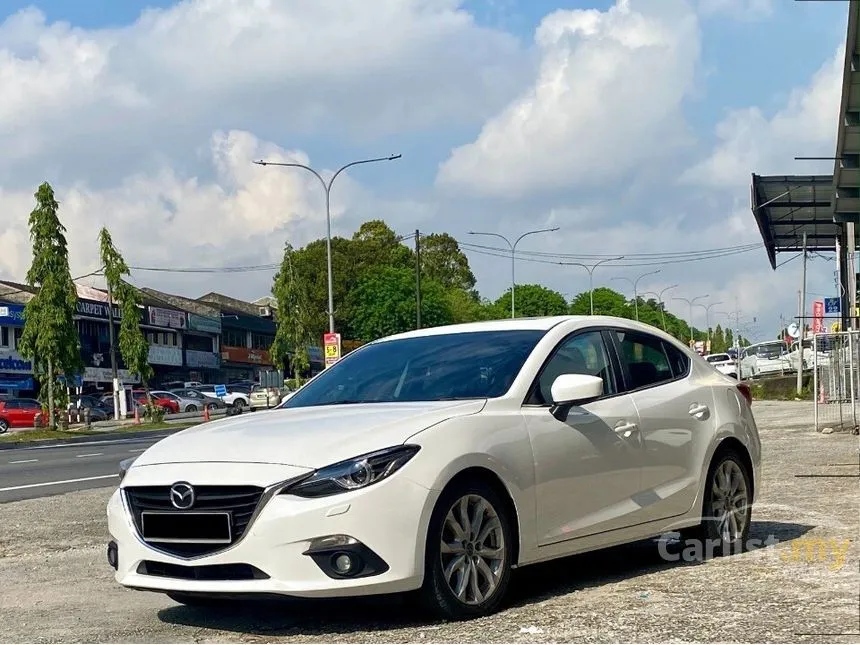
(207, 528)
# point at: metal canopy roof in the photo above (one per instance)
(846, 170)
(786, 207)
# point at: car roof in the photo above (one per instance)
(538, 323)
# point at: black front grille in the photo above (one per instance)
(237, 571)
(239, 501)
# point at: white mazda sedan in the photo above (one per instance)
(437, 461)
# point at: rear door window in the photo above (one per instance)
(645, 359)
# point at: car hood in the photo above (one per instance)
(309, 437)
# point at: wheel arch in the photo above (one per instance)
(492, 479)
(733, 444)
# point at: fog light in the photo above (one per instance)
(113, 554)
(343, 563)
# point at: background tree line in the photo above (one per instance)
(374, 284)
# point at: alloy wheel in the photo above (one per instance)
(729, 500)
(472, 549)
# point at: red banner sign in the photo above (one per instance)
(817, 316)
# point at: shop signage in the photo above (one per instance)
(163, 355)
(12, 315)
(315, 354)
(103, 375)
(245, 355)
(12, 362)
(204, 323)
(331, 343)
(94, 309)
(194, 358)
(166, 318)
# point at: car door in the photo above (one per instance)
(675, 420)
(13, 414)
(587, 467)
(28, 409)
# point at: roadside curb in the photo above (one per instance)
(106, 436)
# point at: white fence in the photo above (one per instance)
(835, 360)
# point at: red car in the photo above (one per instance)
(168, 405)
(19, 413)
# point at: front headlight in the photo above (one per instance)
(355, 473)
(124, 465)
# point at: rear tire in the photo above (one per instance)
(466, 572)
(727, 506)
(240, 404)
(191, 408)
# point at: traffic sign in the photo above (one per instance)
(331, 342)
(832, 305)
(220, 390)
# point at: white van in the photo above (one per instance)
(768, 358)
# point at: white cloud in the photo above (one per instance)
(107, 98)
(749, 141)
(607, 99)
(739, 9)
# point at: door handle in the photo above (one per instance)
(698, 411)
(625, 429)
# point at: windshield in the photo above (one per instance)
(472, 365)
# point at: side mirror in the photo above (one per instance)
(569, 390)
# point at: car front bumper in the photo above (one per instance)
(388, 518)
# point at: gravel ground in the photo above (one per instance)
(57, 586)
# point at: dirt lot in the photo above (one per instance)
(57, 586)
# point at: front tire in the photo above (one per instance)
(239, 404)
(191, 408)
(4, 426)
(469, 552)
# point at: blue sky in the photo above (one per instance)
(628, 149)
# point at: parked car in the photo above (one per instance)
(724, 364)
(98, 410)
(768, 358)
(237, 397)
(265, 397)
(19, 413)
(196, 400)
(439, 459)
(168, 404)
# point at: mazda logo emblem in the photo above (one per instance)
(182, 496)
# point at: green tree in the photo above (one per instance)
(466, 306)
(376, 244)
(310, 263)
(383, 303)
(531, 300)
(295, 323)
(729, 339)
(718, 341)
(443, 261)
(607, 302)
(133, 345)
(50, 338)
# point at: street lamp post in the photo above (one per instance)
(590, 270)
(707, 309)
(660, 302)
(691, 302)
(513, 248)
(635, 284)
(327, 187)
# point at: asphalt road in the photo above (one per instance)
(39, 471)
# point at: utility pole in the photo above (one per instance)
(513, 248)
(660, 302)
(691, 302)
(327, 188)
(635, 284)
(802, 320)
(113, 368)
(417, 279)
(590, 270)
